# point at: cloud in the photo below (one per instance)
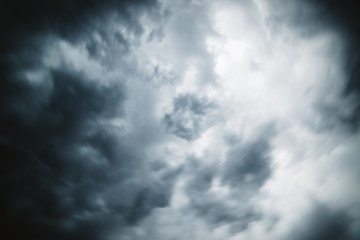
(150, 120)
(344, 18)
(309, 20)
(222, 194)
(68, 172)
(63, 17)
(323, 223)
(187, 120)
(216, 208)
(248, 164)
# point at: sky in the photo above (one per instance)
(180, 119)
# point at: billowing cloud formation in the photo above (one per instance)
(179, 120)
(187, 118)
(67, 171)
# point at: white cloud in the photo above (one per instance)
(265, 75)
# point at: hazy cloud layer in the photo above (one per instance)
(180, 120)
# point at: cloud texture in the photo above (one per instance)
(179, 120)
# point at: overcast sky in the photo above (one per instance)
(180, 119)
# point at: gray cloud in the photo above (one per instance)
(218, 212)
(247, 167)
(202, 180)
(187, 120)
(333, 116)
(191, 25)
(216, 209)
(248, 164)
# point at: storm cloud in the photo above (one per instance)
(66, 171)
(179, 119)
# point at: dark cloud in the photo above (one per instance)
(344, 17)
(248, 164)
(323, 223)
(187, 118)
(26, 26)
(66, 172)
(66, 18)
